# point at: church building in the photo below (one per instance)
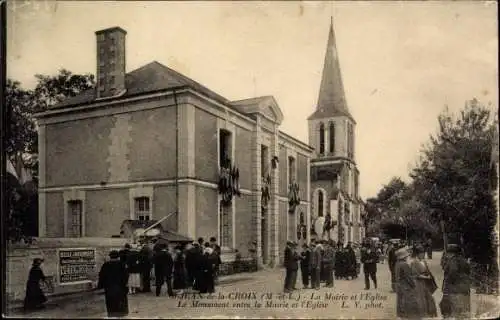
(336, 207)
(153, 143)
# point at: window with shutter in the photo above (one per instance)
(142, 209)
(75, 216)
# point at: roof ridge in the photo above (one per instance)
(253, 98)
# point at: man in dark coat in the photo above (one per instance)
(145, 263)
(428, 247)
(340, 262)
(113, 278)
(197, 269)
(369, 258)
(392, 264)
(217, 252)
(329, 263)
(350, 257)
(287, 262)
(206, 277)
(291, 265)
(123, 254)
(305, 267)
(164, 265)
(316, 257)
(295, 264)
(190, 264)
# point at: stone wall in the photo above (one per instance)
(20, 258)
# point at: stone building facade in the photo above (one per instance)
(152, 143)
(334, 173)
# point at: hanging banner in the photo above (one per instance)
(76, 265)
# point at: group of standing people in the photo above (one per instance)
(415, 284)
(323, 261)
(128, 271)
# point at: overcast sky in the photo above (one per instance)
(401, 61)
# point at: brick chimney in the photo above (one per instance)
(110, 62)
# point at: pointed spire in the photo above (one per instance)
(331, 99)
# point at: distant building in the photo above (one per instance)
(152, 142)
(334, 173)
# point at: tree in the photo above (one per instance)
(397, 213)
(452, 178)
(22, 139)
(21, 136)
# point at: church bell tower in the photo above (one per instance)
(336, 205)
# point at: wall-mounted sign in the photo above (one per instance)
(76, 265)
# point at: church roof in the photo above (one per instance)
(147, 79)
(331, 98)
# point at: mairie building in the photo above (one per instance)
(152, 143)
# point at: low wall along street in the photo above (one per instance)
(71, 265)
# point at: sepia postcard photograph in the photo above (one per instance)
(250, 159)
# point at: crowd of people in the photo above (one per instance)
(193, 266)
(324, 260)
(411, 279)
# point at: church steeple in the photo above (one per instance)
(331, 99)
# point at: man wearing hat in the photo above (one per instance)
(316, 257)
(113, 278)
(164, 267)
(288, 266)
(369, 258)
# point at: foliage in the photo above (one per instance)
(23, 104)
(22, 138)
(452, 179)
(451, 183)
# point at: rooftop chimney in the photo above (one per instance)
(110, 62)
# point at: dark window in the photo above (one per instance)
(264, 160)
(225, 227)
(75, 215)
(322, 139)
(291, 170)
(320, 203)
(142, 211)
(225, 148)
(332, 137)
(350, 140)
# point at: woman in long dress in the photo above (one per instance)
(456, 284)
(423, 278)
(35, 298)
(113, 278)
(406, 297)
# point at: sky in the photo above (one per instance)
(401, 62)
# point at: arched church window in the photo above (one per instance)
(322, 138)
(332, 137)
(320, 203)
